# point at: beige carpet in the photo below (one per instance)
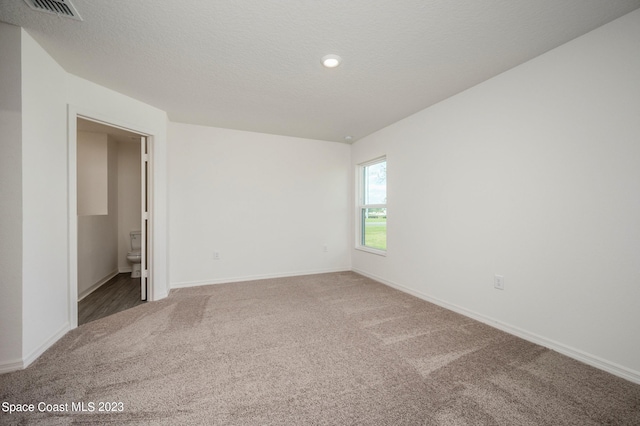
(330, 349)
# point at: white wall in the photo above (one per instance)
(44, 200)
(98, 234)
(267, 203)
(534, 175)
(129, 197)
(11, 196)
(93, 174)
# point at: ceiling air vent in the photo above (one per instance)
(59, 7)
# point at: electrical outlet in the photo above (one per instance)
(216, 255)
(498, 282)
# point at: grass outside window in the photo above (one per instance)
(375, 233)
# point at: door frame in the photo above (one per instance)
(73, 113)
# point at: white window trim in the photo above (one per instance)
(360, 205)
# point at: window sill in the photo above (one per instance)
(372, 250)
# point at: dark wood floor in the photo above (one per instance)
(118, 294)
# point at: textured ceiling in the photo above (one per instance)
(255, 65)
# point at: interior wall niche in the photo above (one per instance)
(93, 174)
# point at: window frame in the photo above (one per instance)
(361, 205)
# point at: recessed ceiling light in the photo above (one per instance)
(348, 138)
(331, 61)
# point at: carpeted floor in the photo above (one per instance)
(329, 349)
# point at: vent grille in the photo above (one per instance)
(58, 7)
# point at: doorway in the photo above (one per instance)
(104, 237)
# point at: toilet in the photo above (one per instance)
(134, 255)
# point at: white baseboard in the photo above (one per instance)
(255, 277)
(158, 296)
(592, 360)
(97, 285)
(10, 366)
(25, 362)
(46, 345)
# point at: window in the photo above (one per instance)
(372, 206)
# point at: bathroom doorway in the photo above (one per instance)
(113, 200)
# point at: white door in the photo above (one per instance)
(144, 227)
